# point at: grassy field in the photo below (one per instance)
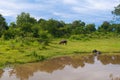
(12, 51)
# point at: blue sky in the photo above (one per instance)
(89, 11)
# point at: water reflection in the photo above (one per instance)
(105, 59)
(1, 72)
(114, 77)
(103, 67)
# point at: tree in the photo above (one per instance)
(25, 23)
(90, 28)
(77, 27)
(10, 33)
(24, 19)
(41, 20)
(77, 23)
(52, 26)
(12, 24)
(116, 12)
(116, 28)
(35, 30)
(44, 37)
(3, 25)
(105, 27)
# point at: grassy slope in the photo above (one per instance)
(17, 52)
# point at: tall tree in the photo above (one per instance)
(116, 28)
(90, 28)
(53, 27)
(77, 27)
(116, 12)
(105, 27)
(25, 18)
(77, 23)
(3, 24)
(25, 23)
(12, 24)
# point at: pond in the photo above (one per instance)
(102, 67)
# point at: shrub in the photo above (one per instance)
(80, 37)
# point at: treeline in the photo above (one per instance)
(27, 27)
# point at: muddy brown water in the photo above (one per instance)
(89, 67)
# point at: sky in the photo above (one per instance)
(88, 11)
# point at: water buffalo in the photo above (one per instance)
(63, 42)
(96, 52)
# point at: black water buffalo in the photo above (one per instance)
(63, 42)
(96, 52)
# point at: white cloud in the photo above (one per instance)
(66, 9)
(11, 8)
(7, 12)
(102, 4)
(95, 5)
(63, 15)
(70, 1)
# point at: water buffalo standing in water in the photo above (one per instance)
(96, 52)
(63, 42)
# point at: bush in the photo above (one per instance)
(8, 35)
(75, 37)
(11, 33)
(80, 37)
(35, 55)
(44, 37)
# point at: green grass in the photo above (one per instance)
(12, 52)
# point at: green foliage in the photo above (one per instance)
(83, 37)
(53, 27)
(116, 28)
(12, 52)
(36, 56)
(25, 18)
(27, 30)
(90, 28)
(35, 30)
(116, 11)
(26, 27)
(29, 40)
(44, 37)
(75, 37)
(43, 30)
(77, 27)
(105, 27)
(9, 34)
(3, 25)
(79, 30)
(77, 23)
(12, 24)
(25, 22)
